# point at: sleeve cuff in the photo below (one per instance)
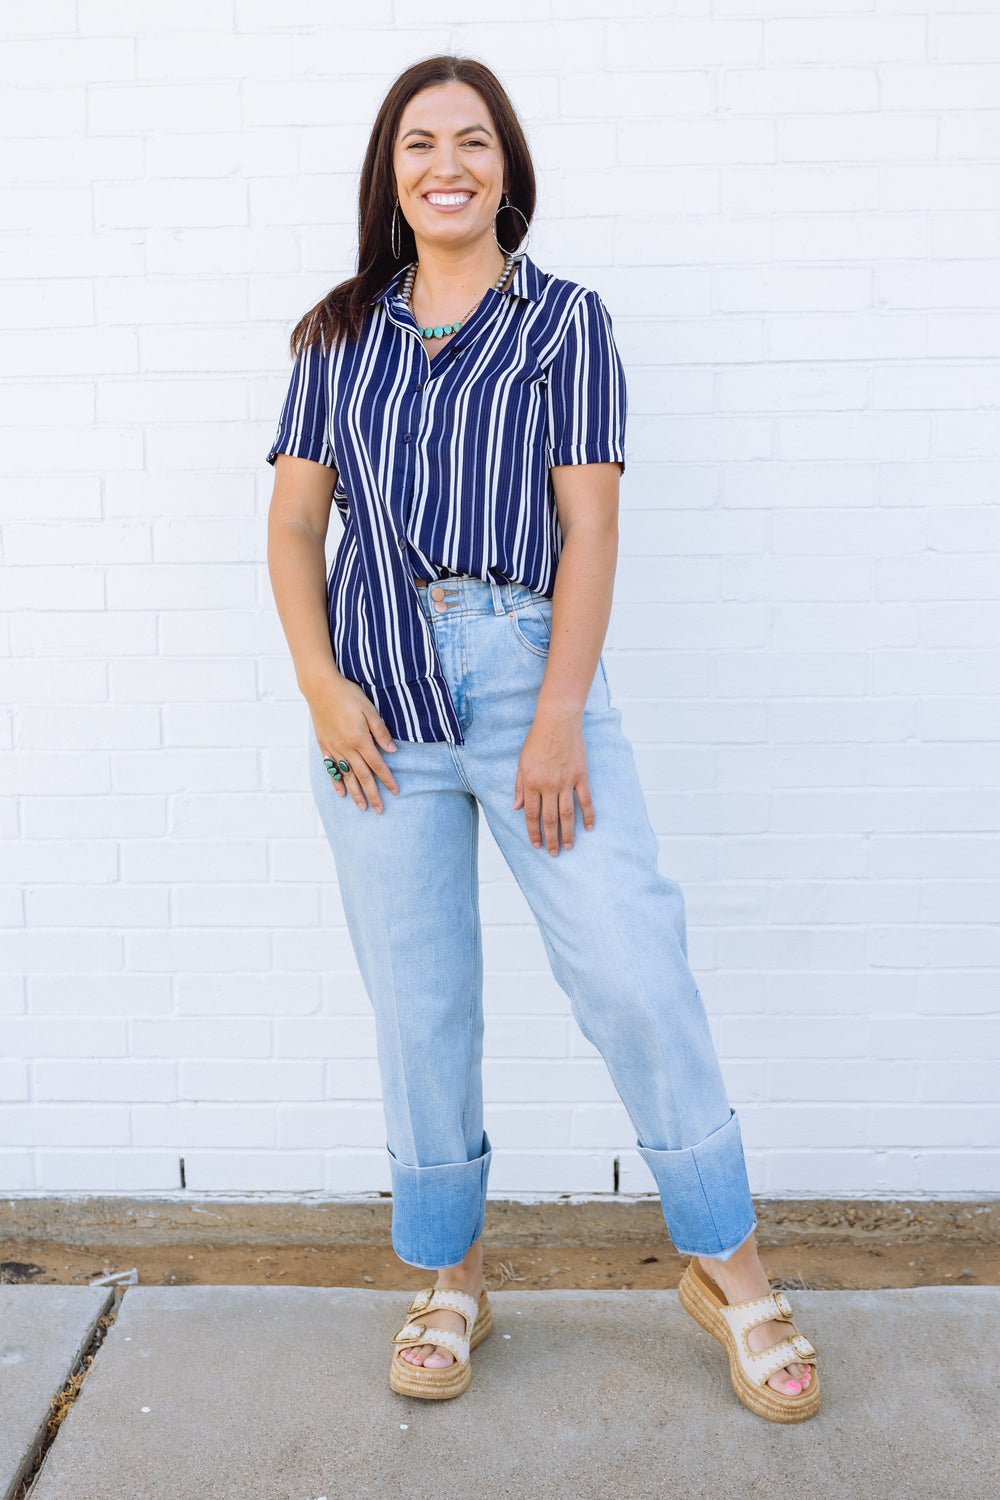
(586, 453)
(317, 452)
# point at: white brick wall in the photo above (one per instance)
(791, 208)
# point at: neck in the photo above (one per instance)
(442, 277)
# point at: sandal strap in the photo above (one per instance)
(760, 1365)
(742, 1316)
(789, 1351)
(419, 1333)
(429, 1299)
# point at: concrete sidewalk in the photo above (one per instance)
(281, 1393)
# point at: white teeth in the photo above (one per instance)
(448, 200)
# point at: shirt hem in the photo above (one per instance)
(419, 709)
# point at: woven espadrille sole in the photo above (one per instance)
(697, 1299)
(441, 1385)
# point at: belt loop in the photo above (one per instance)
(499, 608)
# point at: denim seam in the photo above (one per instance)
(462, 625)
(704, 1193)
(454, 749)
(476, 986)
(535, 651)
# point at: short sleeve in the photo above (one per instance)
(303, 429)
(586, 391)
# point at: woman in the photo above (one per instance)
(465, 412)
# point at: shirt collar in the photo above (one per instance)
(526, 282)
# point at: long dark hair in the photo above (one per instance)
(341, 313)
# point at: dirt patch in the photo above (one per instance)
(645, 1267)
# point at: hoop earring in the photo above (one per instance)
(395, 235)
(527, 226)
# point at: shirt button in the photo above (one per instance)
(418, 387)
(407, 437)
(402, 544)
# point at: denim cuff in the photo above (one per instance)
(438, 1212)
(705, 1193)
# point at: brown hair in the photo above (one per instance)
(341, 313)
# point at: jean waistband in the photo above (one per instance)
(462, 595)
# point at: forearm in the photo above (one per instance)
(296, 562)
(581, 608)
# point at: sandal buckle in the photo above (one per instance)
(412, 1333)
(783, 1303)
(802, 1346)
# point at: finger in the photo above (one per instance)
(338, 782)
(567, 816)
(363, 775)
(356, 791)
(349, 779)
(550, 822)
(518, 793)
(378, 765)
(380, 732)
(586, 802)
(532, 817)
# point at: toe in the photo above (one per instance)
(783, 1382)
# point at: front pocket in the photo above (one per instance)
(533, 627)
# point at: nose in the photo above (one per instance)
(448, 163)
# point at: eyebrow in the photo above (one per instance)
(466, 130)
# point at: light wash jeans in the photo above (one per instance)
(612, 925)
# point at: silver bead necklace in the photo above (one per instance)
(441, 330)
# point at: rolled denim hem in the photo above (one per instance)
(438, 1212)
(705, 1193)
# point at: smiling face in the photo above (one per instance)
(449, 167)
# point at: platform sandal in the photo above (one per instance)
(750, 1371)
(440, 1384)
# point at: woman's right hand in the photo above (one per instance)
(349, 727)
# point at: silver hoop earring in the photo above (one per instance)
(394, 234)
(527, 226)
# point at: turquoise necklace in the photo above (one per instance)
(443, 329)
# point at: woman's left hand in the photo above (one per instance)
(551, 768)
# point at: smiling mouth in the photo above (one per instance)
(449, 200)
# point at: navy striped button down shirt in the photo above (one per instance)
(443, 463)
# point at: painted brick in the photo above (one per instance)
(108, 994)
(796, 91)
(105, 1171)
(864, 39)
(357, 1172)
(187, 1127)
(329, 1126)
(247, 994)
(619, 95)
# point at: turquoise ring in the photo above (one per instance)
(331, 766)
